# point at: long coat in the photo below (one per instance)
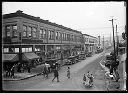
(56, 74)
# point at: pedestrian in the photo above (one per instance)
(84, 78)
(91, 79)
(56, 75)
(45, 71)
(68, 72)
(12, 71)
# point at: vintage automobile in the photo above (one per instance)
(82, 56)
(71, 60)
(108, 61)
(99, 51)
(89, 54)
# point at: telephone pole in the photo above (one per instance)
(103, 42)
(117, 40)
(113, 39)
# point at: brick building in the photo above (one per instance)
(28, 38)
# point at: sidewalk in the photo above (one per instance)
(36, 71)
(21, 76)
(111, 84)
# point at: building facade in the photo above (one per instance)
(90, 43)
(28, 37)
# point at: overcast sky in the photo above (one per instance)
(88, 17)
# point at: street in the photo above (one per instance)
(74, 83)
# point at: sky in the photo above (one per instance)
(88, 17)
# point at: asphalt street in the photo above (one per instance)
(39, 83)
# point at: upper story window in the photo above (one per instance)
(29, 31)
(24, 31)
(50, 35)
(8, 30)
(14, 30)
(57, 35)
(44, 33)
(34, 30)
(41, 33)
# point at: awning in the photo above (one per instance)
(10, 57)
(29, 56)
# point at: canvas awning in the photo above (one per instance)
(29, 56)
(10, 57)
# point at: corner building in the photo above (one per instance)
(30, 38)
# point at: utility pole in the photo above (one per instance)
(113, 40)
(117, 40)
(103, 42)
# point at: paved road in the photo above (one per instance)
(74, 83)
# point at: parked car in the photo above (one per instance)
(89, 54)
(82, 56)
(71, 60)
(99, 51)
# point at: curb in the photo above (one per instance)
(23, 78)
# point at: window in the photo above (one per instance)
(49, 35)
(52, 36)
(68, 37)
(27, 49)
(57, 35)
(6, 50)
(14, 31)
(8, 31)
(24, 31)
(41, 33)
(16, 50)
(62, 36)
(29, 31)
(44, 33)
(34, 31)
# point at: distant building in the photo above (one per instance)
(90, 43)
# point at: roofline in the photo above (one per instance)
(20, 13)
(89, 35)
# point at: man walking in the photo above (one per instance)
(68, 72)
(56, 75)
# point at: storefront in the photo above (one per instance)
(9, 60)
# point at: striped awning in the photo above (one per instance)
(29, 56)
(10, 57)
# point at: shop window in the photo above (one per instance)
(8, 30)
(16, 50)
(24, 31)
(23, 49)
(14, 31)
(30, 49)
(5, 50)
